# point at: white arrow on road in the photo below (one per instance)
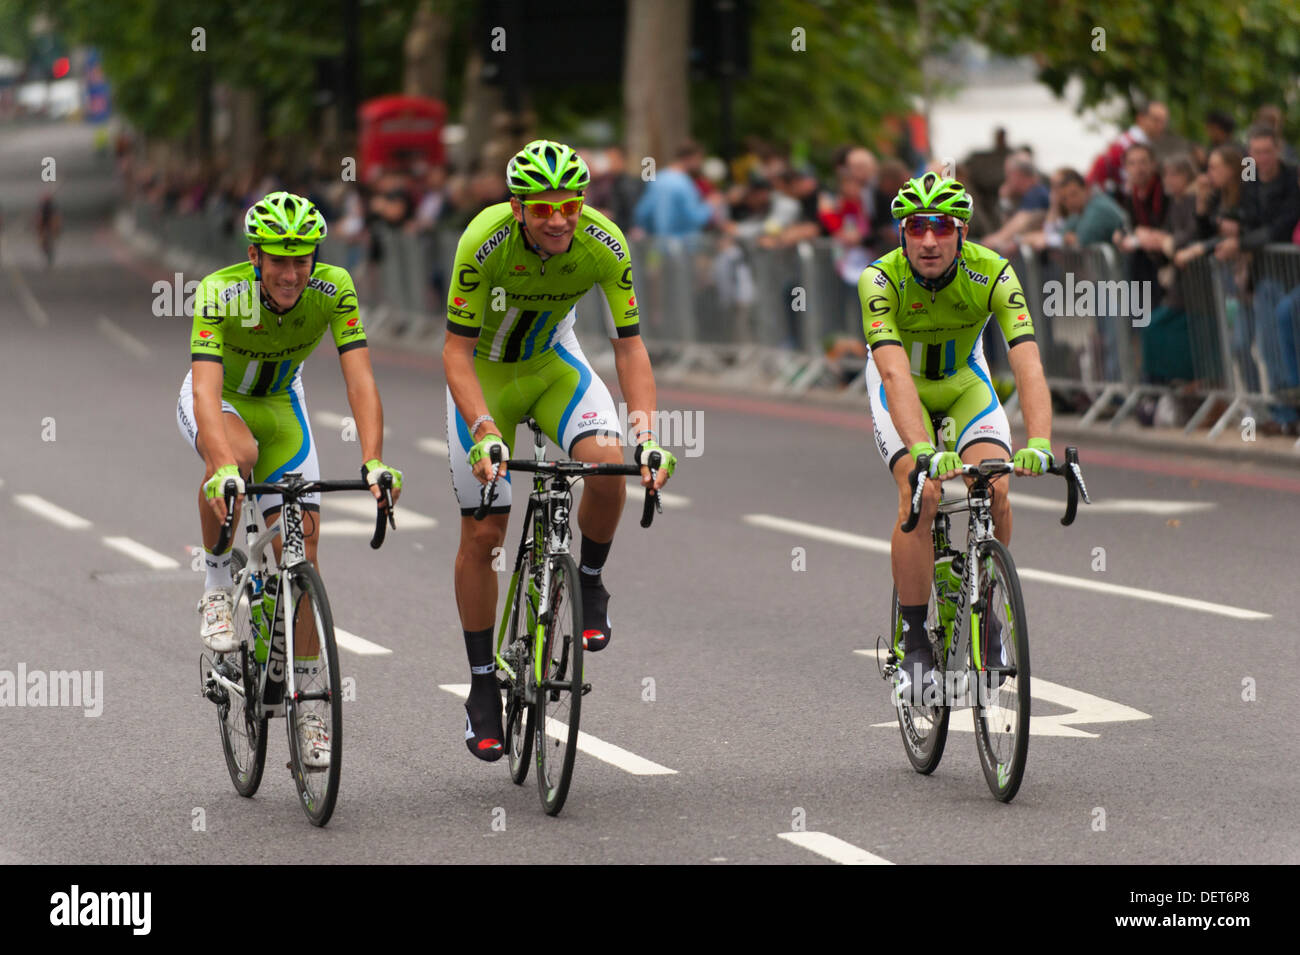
(1085, 708)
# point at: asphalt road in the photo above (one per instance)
(1164, 682)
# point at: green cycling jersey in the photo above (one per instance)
(520, 305)
(261, 352)
(941, 331)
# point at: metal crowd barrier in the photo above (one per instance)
(762, 317)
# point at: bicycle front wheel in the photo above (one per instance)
(243, 734)
(559, 690)
(520, 699)
(1002, 694)
(924, 728)
(314, 713)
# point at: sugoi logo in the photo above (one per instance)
(590, 414)
(632, 300)
(519, 268)
(459, 301)
(205, 334)
(352, 322)
(916, 305)
(877, 324)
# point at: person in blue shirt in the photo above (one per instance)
(671, 205)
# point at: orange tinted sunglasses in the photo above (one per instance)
(541, 209)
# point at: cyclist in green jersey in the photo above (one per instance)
(510, 352)
(242, 406)
(924, 309)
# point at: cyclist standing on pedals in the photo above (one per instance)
(924, 308)
(242, 406)
(511, 352)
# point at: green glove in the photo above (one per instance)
(375, 467)
(941, 462)
(1036, 458)
(215, 486)
(483, 449)
(667, 461)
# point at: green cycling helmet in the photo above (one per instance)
(284, 224)
(543, 165)
(932, 193)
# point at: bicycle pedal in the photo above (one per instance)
(586, 688)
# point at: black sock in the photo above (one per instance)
(594, 555)
(915, 640)
(482, 662)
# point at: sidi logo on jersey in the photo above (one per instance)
(606, 239)
(495, 239)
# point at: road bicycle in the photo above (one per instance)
(255, 681)
(539, 642)
(975, 594)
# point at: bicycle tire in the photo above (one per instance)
(1004, 775)
(924, 745)
(559, 692)
(247, 759)
(317, 789)
(520, 700)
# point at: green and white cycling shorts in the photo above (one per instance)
(557, 388)
(280, 427)
(966, 398)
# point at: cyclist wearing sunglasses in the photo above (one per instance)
(924, 309)
(511, 351)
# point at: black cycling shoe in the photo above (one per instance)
(916, 682)
(595, 609)
(995, 654)
(483, 728)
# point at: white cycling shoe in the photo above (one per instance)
(313, 742)
(218, 630)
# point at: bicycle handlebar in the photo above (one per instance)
(488, 492)
(295, 489)
(1069, 470)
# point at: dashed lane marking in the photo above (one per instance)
(605, 752)
(833, 848)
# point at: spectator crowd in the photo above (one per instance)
(1161, 203)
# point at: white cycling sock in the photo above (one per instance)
(218, 568)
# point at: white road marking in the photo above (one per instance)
(364, 508)
(1118, 505)
(1086, 709)
(833, 848)
(122, 338)
(51, 512)
(360, 645)
(329, 419)
(605, 752)
(32, 307)
(432, 446)
(636, 496)
(879, 546)
(145, 555)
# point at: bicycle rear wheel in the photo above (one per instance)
(559, 692)
(924, 728)
(521, 707)
(1002, 712)
(318, 697)
(243, 735)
